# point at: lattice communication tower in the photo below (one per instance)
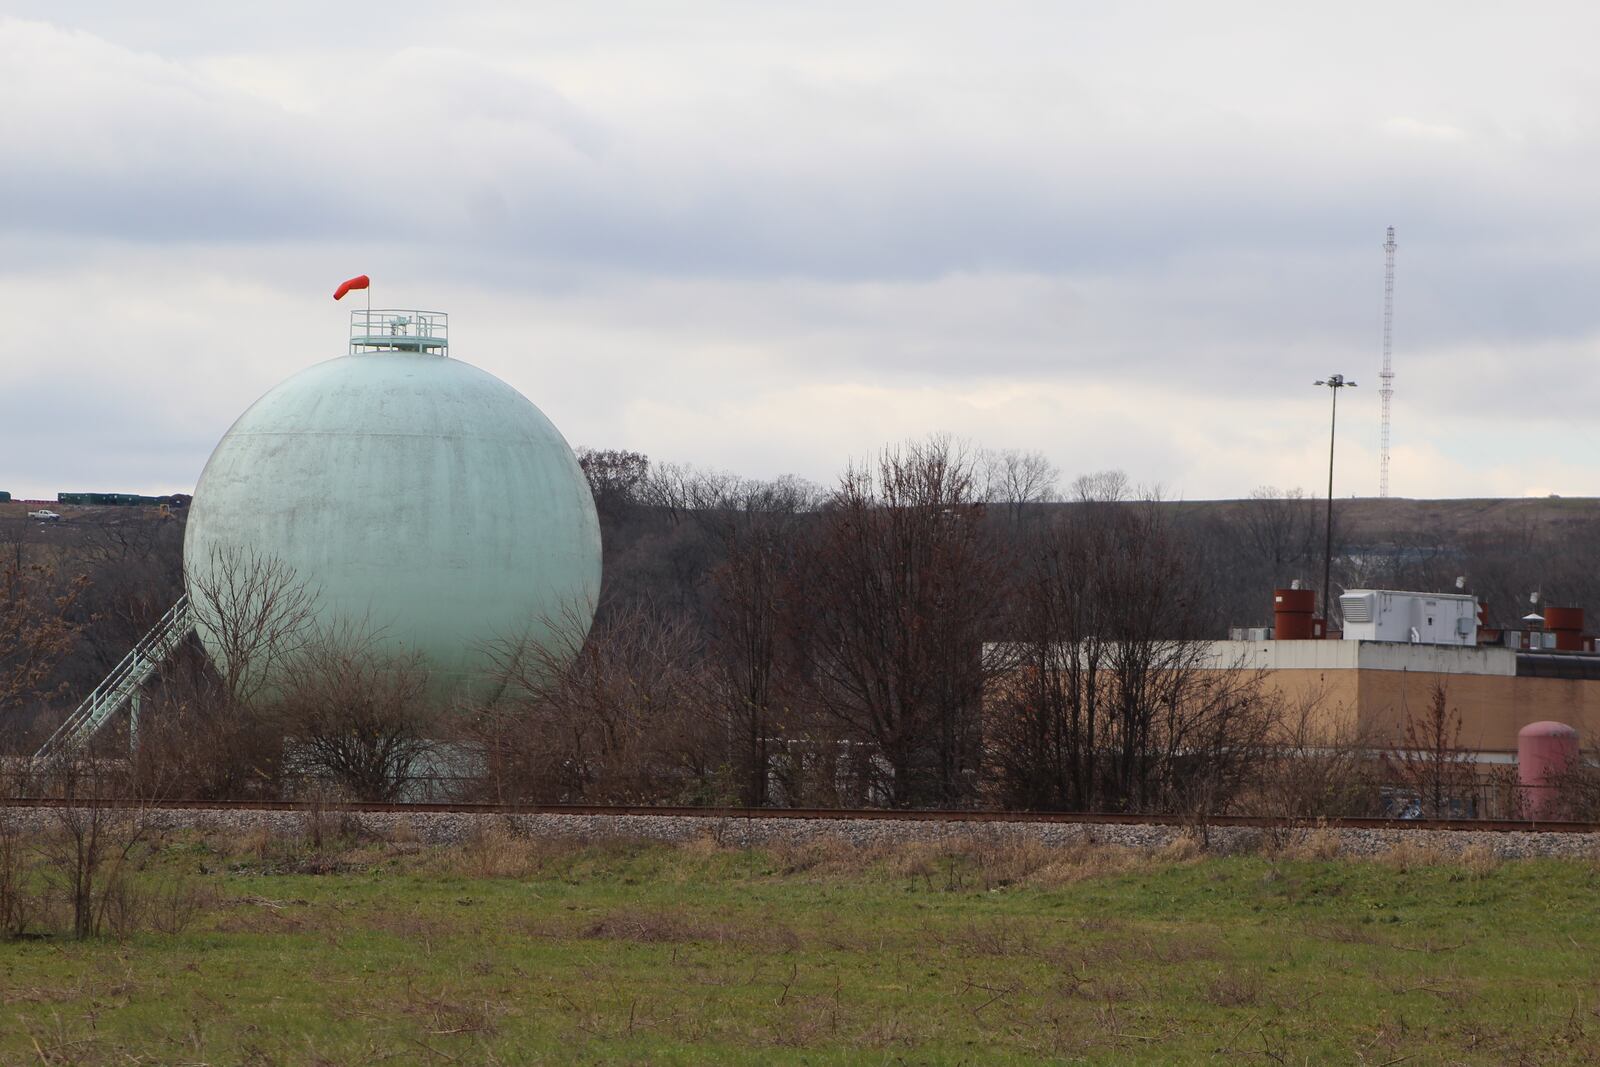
(1386, 376)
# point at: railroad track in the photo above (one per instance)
(851, 814)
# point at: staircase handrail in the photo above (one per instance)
(150, 649)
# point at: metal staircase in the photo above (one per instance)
(120, 686)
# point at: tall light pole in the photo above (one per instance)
(1334, 382)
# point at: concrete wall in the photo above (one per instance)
(1363, 655)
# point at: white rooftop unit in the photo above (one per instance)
(1414, 618)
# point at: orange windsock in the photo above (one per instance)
(360, 281)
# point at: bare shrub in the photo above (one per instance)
(196, 743)
(208, 728)
(90, 844)
(1430, 762)
(355, 715)
(20, 905)
(614, 715)
(1233, 989)
(1575, 788)
(324, 824)
(316, 822)
(177, 902)
(1316, 765)
(123, 906)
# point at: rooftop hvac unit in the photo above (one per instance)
(1413, 618)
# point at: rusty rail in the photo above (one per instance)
(851, 814)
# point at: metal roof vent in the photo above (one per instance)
(1357, 607)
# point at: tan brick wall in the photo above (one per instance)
(1492, 708)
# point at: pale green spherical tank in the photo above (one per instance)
(421, 499)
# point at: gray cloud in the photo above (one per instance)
(1129, 236)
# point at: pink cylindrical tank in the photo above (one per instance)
(1545, 752)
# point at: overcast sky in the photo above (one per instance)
(772, 238)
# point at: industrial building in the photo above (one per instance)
(1368, 681)
(1397, 646)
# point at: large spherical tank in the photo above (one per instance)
(421, 499)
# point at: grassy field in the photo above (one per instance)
(510, 951)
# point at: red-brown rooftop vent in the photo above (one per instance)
(1292, 611)
(1567, 625)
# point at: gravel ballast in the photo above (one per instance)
(445, 828)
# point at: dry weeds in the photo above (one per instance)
(657, 927)
(1479, 860)
(1406, 855)
(975, 861)
(1320, 843)
(1233, 989)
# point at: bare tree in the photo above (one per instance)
(750, 675)
(616, 478)
(902, 589)
(254, 613)
(134, 560)
(35, 627)
(1283, 530)
(680, 490)
(1101, 487)
(1017, 479)
(1117, 702)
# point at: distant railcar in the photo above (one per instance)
(125, 500)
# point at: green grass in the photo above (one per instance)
(514, 952)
